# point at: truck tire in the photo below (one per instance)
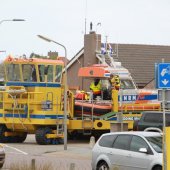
(21, 139)
(3, 138)
(40, 136)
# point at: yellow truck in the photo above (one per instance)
(32, 102)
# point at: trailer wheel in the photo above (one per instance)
(3, 138)
(40, 136)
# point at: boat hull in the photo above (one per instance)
(91, 109)
(84, 108)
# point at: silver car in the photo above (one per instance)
(2, 156)
(128, 151)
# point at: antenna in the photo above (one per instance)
(91, 26)
(85, 15)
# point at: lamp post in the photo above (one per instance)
(65, 88)
(6, 20)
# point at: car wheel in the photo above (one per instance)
(157, 168)
(103, 166)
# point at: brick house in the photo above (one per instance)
(138, 59)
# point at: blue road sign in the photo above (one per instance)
(163, 75)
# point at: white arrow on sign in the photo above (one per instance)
(165, 82)
(163, 72)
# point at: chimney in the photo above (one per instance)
(92, 43)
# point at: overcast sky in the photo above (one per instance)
(123, 21)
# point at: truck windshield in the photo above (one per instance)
(29, 72)
(13, 73)
(58, 73)
(156, 143)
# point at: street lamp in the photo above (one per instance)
(65, 88)
(11, 20)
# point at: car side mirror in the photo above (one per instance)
(143, 150)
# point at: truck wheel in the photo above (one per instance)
(3, 138)
(20, 139)
(40, 136)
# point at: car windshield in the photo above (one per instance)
(156, 143)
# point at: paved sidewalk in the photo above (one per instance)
(76, 157)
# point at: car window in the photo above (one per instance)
(153, 117)
(122, 142)
(156, 118)
(168, 119)
(137, 143)
(156, 143)
(107, 141)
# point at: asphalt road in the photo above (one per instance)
(54, 157)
